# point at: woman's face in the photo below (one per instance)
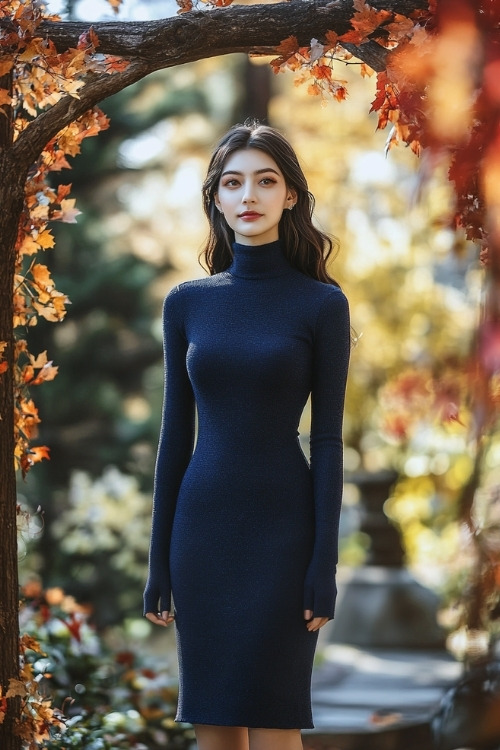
(252, 194)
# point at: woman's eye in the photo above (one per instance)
(268, 181)
(230, 183)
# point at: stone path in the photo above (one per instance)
(377, 699)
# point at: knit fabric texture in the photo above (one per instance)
(245, 529)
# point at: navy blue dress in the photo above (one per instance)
(245, 531)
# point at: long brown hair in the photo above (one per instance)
(306, 247)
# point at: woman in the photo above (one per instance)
(244, 530)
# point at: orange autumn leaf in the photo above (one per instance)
(62, 192)
(5, 97)
(286, 50)
(116, 64)
(184, 6)
(28, 373)
(331, 40)
(39, 453)
(28, 643)
(364, 22)
(340, 93)
(6, 65)
(321, 71)
(115, 4)
(400, 27)
(314, 90)
(41, 275)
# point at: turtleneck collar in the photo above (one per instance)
(259, 261)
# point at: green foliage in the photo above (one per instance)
(100, 533)
(109, 699)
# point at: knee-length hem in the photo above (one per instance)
(225, 721)
(244, 528)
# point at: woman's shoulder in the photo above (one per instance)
(324, 293)
(192, 286)
(184, 293)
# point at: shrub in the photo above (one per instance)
(108, 700)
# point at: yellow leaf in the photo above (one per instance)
(41, 275)
(45, 239)
(47, 312)
(39, 361)
(29, 246)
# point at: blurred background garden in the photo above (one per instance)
(414, 287)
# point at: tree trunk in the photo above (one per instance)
(11, 202)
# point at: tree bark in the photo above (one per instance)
(11, 203)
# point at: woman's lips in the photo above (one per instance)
(250, 216)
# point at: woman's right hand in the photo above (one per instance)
(160, 618)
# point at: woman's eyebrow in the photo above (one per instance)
(257, 171)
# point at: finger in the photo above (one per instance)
(155, 619)
(308, 614)
(158, 618)
(316, 623)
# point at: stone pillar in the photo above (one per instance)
(380, 604)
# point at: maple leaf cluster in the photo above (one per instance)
(441, 91)
(315, 63)
(37, 715)
(40, 77)
(35, 293)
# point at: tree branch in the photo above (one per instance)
(152, 45)
(38, 133)
(199, 34)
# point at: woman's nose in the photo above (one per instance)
(248, 193)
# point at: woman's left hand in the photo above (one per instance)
(313, 623)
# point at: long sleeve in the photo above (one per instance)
(174, 452)
(330, 365)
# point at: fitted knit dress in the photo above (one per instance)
(245, 531)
